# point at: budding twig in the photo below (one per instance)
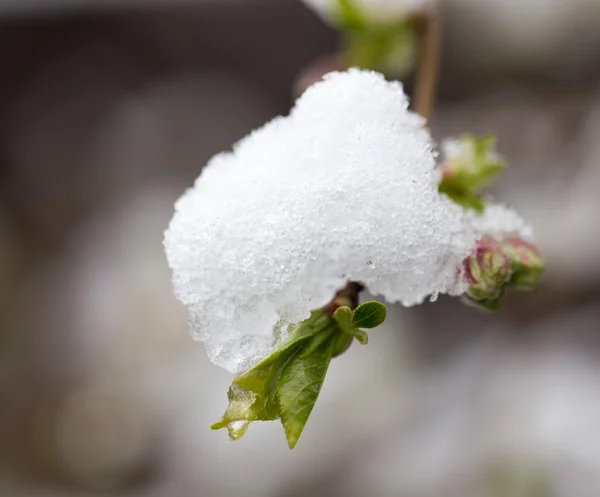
(347, 296)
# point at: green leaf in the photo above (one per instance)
(348, 15)
(316, 323)
(253, 395)
(473, 167)
(244, 407)
(462, 197)
(483, 147)
(286, 384)
(343, 317)
(262, 378)
(300, 384)
(361, 336)
(369, 315)
(389, 48)
(488, 174)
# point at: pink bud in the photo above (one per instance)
(487, 269)
(526, 263)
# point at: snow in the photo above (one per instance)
(455, 148)
(341, 189)
(500, 222)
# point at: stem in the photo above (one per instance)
(429, 57)
(347, 296)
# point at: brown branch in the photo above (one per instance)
(347, 296)
(430, 35)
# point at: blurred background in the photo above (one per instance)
(110, 108)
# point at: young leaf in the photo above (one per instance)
(462, 197)
(471, 164)
(361, 336)
(387, 48)
(349, 16)
(343, 317)
(252, 394)
(244, 407)
(262, 378)
(300, 384)
(369, 315)
(316, 323)
(286, 384)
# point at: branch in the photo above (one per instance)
(347, 296)
(429, 59)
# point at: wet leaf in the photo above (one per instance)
(300, 384)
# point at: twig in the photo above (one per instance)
(429, 59)
(347, 296)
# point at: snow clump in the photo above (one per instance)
(340, 190)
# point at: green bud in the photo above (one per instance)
(470, 165)
(487, 269)
(526, 263)
(388, 46)
(489, 305)
(389, 49)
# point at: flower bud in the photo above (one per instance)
(389, 49)
(487, 269)
(526, 263)
(470, 164)
(490, 305)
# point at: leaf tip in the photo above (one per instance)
(292, 441)
(362, 337)
(237, 429)
(218, 425)
(342, 312)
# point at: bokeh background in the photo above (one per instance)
(109, 108)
